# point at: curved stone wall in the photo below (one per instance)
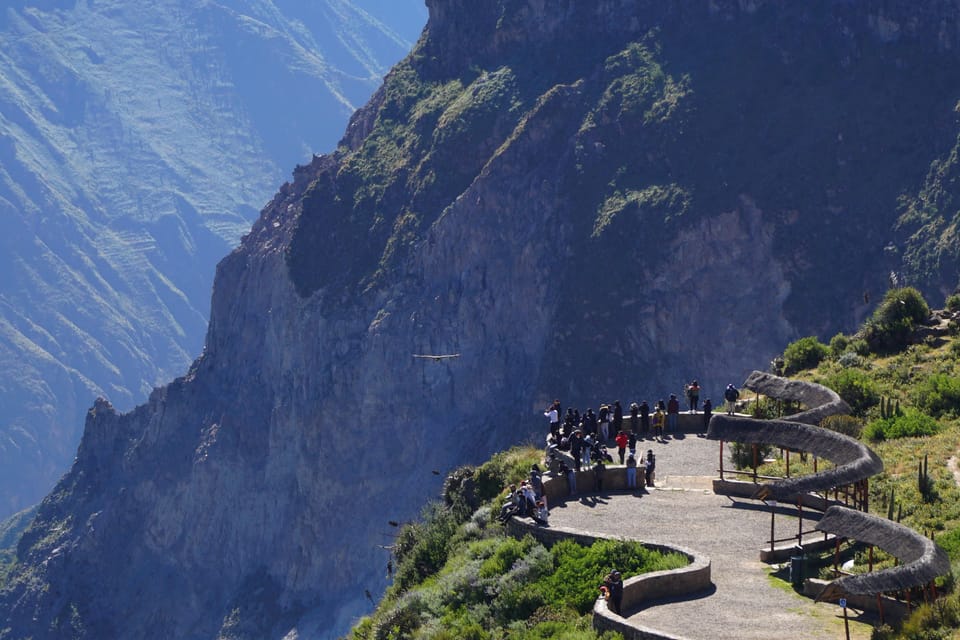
(693, 578)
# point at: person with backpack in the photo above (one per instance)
(731, 395)
(604, 418)
(613, 584)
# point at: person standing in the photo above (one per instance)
(631, 471)
(673, 413)
(576, 448)
(707, 414)
(622, 439)
(590, 421)
(571, 477)
(731, 395)
(552, 414)
(693, 395)
(658, 420)
(613, 584)
(650, 468)
(644, 418)
(604, 417)
(598, 471)
(617, 417)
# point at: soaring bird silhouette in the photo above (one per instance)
(436, 358)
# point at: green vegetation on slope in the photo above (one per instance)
(459, 575)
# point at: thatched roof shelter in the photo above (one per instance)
(854, 460)
(922, 560)
(819, 400)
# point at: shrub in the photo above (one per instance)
(847, 425)
(909, 425)
(503, 469)
(860, 347)
(938, 394)
(856, 388)
(891, 326)
(850, 359)
(838, 344)
(805, 353)
(423, 547)
(742, 454)
(581, 569)
(952, 303)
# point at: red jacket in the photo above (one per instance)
(622, 440)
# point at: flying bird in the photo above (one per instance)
(436, 358)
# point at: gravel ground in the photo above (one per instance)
(746, 602)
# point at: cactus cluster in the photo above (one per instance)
(889, 407)
(924, 484)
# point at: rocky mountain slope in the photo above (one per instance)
(137, 143)
(587, 201)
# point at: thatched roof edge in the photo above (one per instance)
(922, 559)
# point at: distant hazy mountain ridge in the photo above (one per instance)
(137, 142)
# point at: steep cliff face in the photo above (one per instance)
(583, 200)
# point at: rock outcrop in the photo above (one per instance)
(586, 200)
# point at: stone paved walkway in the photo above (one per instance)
(746, 603)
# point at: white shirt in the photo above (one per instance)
(552, 415)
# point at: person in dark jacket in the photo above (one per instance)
(617, 417)
(707, 414)
(598, 471)
(651, 468)
(644, 418)
(613, 584)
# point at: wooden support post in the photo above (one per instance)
(846, 622)
(773, 515)
(799, 522)
(755, 452)
(866, 495)
(836, 558)
(880, 607)
(870, 561)
(788, 462)
(721, 459)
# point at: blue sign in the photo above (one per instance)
(843, 602)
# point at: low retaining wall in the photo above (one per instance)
(637, 590)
